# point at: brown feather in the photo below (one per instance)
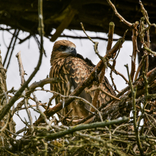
(72, 71)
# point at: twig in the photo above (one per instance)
(84, 37)
(21, 69)
(6, 124)
(99, 88)
(149, 50)
(135, 49)
(117, 73)
(6, 108)
(77, 97)
(134, 113)
(38, 108)
(95, 45)
(7, 53)
(118, 15)
(110, 35)
(144, 12)
(83, 127)
(140, 66)
(40, 83)
(117, 46)
(16, 34)
(96, 94)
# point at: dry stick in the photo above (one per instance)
(40, 83)
(110, 35)
(117, 73)
(145, 14)
(135, 49)
(12, 48)
(84, 37)
(21, 69)
(149, 50)
(99, 88)
(142, 40)
(134, 112)
(111, 107)
(82, 127)
(140, 66)
(40, 111)
(95, 44)
(118, 15)
(145, 99)
(10, 45)
(84, 84)
(109, 45)
(95, 99)
(6, 123)
(32, 88)
(6, 108)
(111, 30)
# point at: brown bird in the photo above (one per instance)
(72, 69)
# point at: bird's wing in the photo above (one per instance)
(72, 71)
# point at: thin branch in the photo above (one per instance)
(83, 127)
(10, 45)
(40, 111)
(135, 49)
(118, 15)
(110, 35)
(21, 69)
(12, 48)
(134, 113)
(99, 88)
(84, 37)
(6, 108)
(140, 66)
(117, 73)
(40, 83)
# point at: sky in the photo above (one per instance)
(30, 54)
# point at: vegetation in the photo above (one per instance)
(123, 126)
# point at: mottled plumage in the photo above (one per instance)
(72, 69)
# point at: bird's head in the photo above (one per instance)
(63, 48)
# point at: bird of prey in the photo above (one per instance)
(72, 69)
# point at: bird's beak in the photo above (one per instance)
(73, 51)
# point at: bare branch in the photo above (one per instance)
(118, 15)
(83, 127)
(6, 108)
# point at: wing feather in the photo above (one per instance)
(72, 71)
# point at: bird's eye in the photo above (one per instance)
(62, 48)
